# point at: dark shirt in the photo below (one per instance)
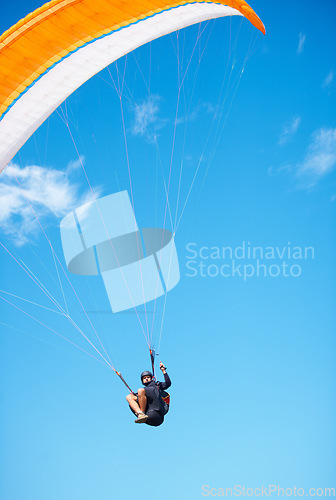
(154, 399)
(163, 386)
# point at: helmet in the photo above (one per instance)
(145, 374)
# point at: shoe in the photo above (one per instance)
(142, 418)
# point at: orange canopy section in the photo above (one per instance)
(60, 27)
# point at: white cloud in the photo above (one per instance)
(320, 159)
(45, 191)
(74, 165)
(290, 130)
(146, 118)
(201, 109)
(328, 79)
(302, 39)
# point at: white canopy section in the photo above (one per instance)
(53, 87)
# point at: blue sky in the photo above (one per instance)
(251, 360)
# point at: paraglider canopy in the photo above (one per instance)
(55, 49)
(46, 56)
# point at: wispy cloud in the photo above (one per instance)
(74, 165)
(146, 120)
(318, 162)
(289, 130)
(45, 191)
(328, 79)
(302, 40)
(320, 159)
(201, 109)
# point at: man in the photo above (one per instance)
(148, 404)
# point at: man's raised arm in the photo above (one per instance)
(167, 383)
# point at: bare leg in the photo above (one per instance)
(142, 399)
(132, 401)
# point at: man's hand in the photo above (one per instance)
(162, 367)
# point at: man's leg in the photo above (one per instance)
(142, 399)
(137, 407)
(132, 401)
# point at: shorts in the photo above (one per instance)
(155, 418)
